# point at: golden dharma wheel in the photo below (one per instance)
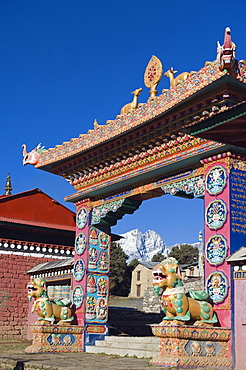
(153, 72)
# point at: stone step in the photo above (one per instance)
(140, 347)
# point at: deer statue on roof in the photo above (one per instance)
(134, 104)
(176, 80)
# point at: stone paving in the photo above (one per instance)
(13, 357)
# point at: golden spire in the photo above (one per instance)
(8, 186)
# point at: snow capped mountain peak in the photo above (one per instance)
(142, 246)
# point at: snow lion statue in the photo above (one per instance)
(180, 308)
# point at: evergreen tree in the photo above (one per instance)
(158, 257)
(119, 276)
(185, 254)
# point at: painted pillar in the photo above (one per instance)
(90, 276)
(217, 234)
(225, 229)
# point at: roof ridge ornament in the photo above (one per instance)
(153, 75)
(226, 53)
(180, 78)
(133, 105)
(8, 187)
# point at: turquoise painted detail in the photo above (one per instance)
(178, 302)
(180, 283)
(211, 321)
(157, 290)
(205, 308)
(205, 316)
(179, 309)
(179, 295)
(199, 295)
(68, 320)
(186, 317)
(50, 319)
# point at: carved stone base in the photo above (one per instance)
(192, 346)
(56, 338)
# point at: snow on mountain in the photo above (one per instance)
(142, 246)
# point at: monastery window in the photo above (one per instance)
(138, 290)
(138, 275)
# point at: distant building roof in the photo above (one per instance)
(51, 265)
(149, 265)
(237, 256)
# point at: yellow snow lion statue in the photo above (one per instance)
(180, 308)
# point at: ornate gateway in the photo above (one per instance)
(188, 141)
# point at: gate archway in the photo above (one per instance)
(190, 140)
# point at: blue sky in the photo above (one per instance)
(65, 63)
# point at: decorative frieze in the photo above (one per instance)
(35, 249)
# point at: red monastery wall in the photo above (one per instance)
(13, 293)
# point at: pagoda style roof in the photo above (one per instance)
(207, 80)
(136, 154)
(198, 82)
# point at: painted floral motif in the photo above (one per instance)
(79, 270)
(217, 286)
(80, 243)
(93, 238)
(194, 185)
(216, 214)
(78, 296)
(55, 339)
(216, 180)
(67, 339)
(216, 250)
(81, 218)
(101, 211)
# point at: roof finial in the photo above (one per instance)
(8, 186)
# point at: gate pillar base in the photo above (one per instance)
(56, 338)
(189, 346)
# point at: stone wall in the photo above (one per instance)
(151, 303)
(13, 294)
(141, 280)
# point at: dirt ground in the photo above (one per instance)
(14, 357)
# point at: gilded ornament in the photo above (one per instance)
(153, 75)
(174, 81)
(134, 104)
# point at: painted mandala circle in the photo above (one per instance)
(216, 250)
(216, 214)
(81, 218)
(217, 286)
(78, 296)
(79, 270)
(216, 180)
(80, 243)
